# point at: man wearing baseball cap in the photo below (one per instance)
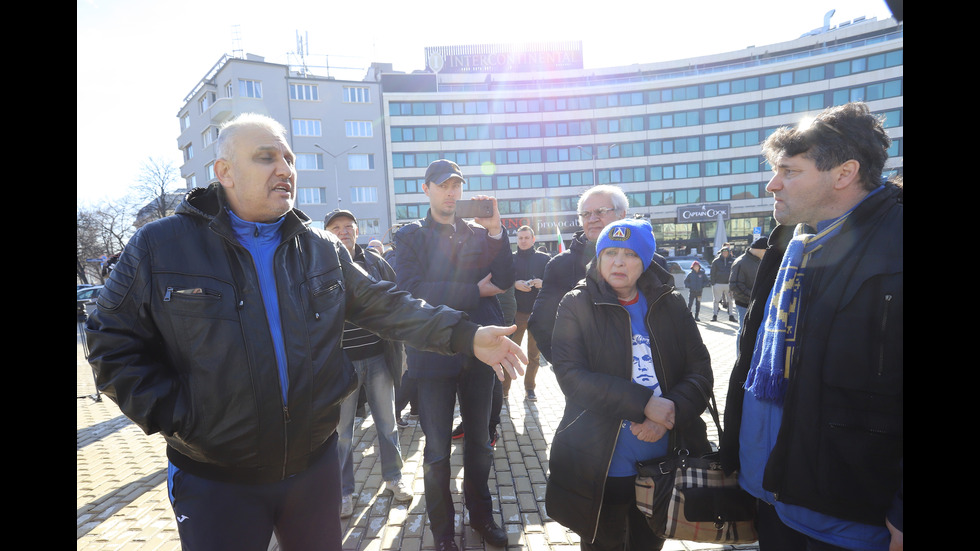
(447, 260)
(378, 365)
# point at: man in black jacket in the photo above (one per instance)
(597, 207)
(447, 260)
(221, 328)
(721, 271)
(378, 364)
(743, 276)
(814, 414)
(529, 266)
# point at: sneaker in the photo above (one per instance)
(347, 506)
(447, 545)
(731, 318)
(399, 490)
(458, 432)
(492, 534)
(402, 424)
(531, 397)
(714, 318)
(697, 318)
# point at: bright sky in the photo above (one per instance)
(137, 60)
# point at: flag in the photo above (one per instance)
(561, 244)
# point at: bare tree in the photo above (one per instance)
(158, 187)
(102, 232)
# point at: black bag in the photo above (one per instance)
(690, 498)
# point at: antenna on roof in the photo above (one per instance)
(236, 42)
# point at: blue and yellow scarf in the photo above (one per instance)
(768, 377)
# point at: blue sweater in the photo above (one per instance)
(261, 241)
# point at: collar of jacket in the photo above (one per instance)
(461, 227)
(209, 203)
(654, 283)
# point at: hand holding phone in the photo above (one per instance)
(471, 208)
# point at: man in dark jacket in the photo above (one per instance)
(721, 271)
(221, 328)
(743, 276)
(447, 260)
(597, 207)
(378, 365)
(529, 266)
(814, 414)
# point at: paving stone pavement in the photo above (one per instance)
(121, 474)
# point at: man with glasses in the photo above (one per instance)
(598, 206)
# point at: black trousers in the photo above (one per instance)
(622, 527)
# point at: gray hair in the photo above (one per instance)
(615, 193)
(224, 148)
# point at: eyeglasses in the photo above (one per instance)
(599, 212)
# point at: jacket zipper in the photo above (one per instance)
(620, 423)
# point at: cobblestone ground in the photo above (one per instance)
(122, 489)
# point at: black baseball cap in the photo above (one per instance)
(338, 212)
(442, 170)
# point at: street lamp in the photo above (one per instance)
(336, 179)
(595, 176)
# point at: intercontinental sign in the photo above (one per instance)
(500, 58)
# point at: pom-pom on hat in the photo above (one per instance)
(635, 234)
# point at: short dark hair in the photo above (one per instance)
(835, 136)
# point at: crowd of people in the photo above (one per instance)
(244, 335)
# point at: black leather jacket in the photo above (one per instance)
(593, 360)
(180, 340)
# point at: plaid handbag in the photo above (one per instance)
(691, 498)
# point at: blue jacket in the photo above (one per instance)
(443, 266)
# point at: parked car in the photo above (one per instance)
(680, 266)
(86, 299)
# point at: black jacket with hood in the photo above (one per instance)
(593, 359)
(180, 340)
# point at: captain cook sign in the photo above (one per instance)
(702, 213)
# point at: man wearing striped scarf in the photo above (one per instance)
(814, 422)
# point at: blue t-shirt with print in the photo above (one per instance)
(630, 449)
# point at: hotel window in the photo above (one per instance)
(364, 195)
(228, 89)
(185, 121)
(304, 92)
(309, 161)
(359, 129)
(209, 170)
(191, 181)
(360, 161)
(357, 94)
(249, 88)
(306, 127)
(188, 152)
(369, 226)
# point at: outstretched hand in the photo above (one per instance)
(492, 347)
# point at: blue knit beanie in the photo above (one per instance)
(629, 233)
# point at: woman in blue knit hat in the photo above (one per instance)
(636, 376)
